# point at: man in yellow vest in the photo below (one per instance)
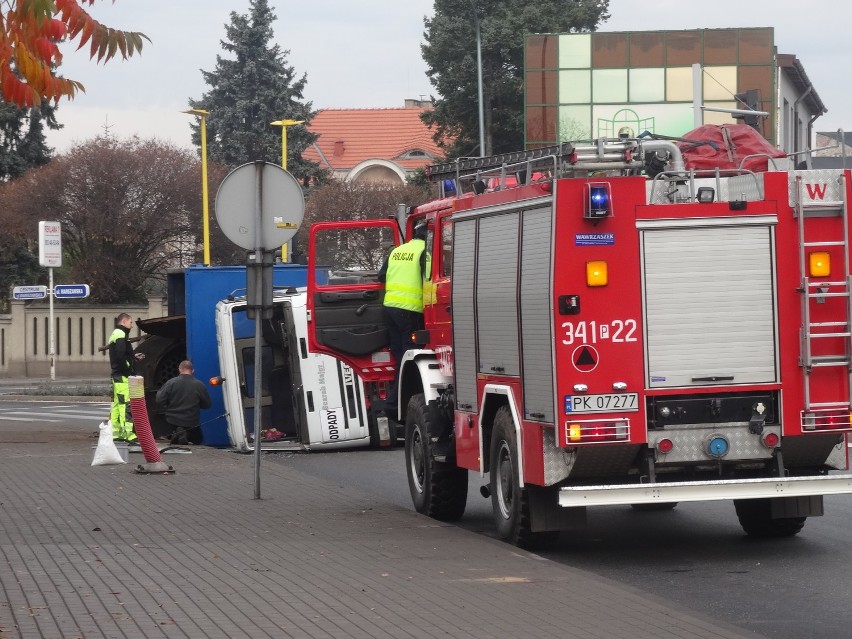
(403, 273)
(121, 359)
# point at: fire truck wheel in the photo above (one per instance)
(755, 517)
(438, 489)
(509, 501)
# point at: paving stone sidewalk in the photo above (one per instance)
(90, 552)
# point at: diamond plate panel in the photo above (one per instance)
(826, 177)
(557, 462)
(837, 458)
(610, 460)
(690, 443)
(747, 187)
(810, 450)
(580, 462)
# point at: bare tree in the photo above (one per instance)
(355, 201)
(128, 209)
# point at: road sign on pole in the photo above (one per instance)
(67, 291)
(29, 292)
(49, 244)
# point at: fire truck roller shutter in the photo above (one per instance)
(464, 334)
(536, 321)
(710, 304)
(496, 295)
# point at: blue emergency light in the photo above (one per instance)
(598, 201)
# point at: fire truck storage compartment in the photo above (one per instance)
(710, 305)
(536, 319)
(496, 295)
(464, 328)
(511, 308)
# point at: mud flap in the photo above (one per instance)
(547, 515)
(805, 506)
(384, 430)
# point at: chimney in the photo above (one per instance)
(338, 149)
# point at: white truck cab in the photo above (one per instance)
(309, 401)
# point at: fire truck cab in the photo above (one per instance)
(606, 332)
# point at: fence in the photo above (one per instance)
(79, 331)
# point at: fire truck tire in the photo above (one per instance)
(510, 502)
(438, 489)
(755, 517)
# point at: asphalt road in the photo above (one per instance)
(695, 555)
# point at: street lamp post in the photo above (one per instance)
(285, 257)
(479, 80)
(205, 227)
(284, 124)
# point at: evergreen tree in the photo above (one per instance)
(22, 147)
(22, 141)
(18, 267)
(450, 55)
(250, 89)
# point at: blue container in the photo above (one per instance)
(205, 286)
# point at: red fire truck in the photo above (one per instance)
(608, 327)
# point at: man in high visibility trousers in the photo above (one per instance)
(403, 273)
(121, 359)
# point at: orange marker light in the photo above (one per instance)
(819, 264)
(596, 273)
(574, 432)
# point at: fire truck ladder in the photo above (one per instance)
(566, 158)
(823, 413)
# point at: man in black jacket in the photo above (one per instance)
(121, 360)
(183, 397)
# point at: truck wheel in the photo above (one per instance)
(509, 501)
(438, 489)
(755, 517)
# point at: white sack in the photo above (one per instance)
(106, 453)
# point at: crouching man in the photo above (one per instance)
(183, 397)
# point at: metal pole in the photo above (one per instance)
(258, 316)
(697, 95)
(479, 87)
(52, 353)
(206, 223)
(284, 146)
(285, 248)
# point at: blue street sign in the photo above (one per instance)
(29, 292)
(70, 290)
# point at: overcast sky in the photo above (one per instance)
(366, 54)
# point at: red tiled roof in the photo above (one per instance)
(350, 136)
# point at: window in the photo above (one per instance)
(446, 247)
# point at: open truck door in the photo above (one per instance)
(345, 299)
